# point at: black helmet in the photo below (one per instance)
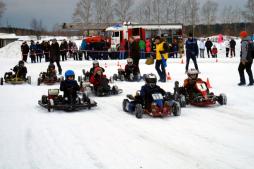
(151, 79)
(51, 66)
(21, 63)
(192, 74)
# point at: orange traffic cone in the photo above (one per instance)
(182, 61)
(168, 76)
(208, 84)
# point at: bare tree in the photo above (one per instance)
(173, 10)
(82, 11)
(249, 11)
(157, 11)
(227, 14)
(209, 11)
(122, 9)
(2, 8)
(108, 13)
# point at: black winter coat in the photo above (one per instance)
(70, 88)
(54, 52)
(209, 44)
(24, 49)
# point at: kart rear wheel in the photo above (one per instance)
(139, 111)
(1, 81)
(29, 79)
(176, 109)
(115, 77)
(182, 100)
(122, 77)
(38, 81)
(44, 99)
(125, 104)
(79, 78)
(222, 99)
(50, 105)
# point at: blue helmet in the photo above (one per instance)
(69, 73)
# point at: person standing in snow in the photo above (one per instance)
(55, 55)
(245, 62)
(32, 51)
(209, 45)
(227, 45)
(202, 48)
(191, 52)
(232, 47)
(25, 51)
(181, 47)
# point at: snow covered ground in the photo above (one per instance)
(105, 137)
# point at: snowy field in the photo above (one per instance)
(105, 137)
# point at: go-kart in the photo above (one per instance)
(48, 79)
(85, 77)
(54, 101)
(160, 107)
(199, 96)
(13, 78)
(122, 76)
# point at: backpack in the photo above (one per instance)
(250, 52)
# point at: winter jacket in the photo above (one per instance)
(162, 49)
(146, 93)
(201, 45)
(70, 88)
(227, 45)
(20, 71)
(181, 47)
(134, 51)
(32, 49)
(214, 50)
(24, 49)
(142, 44)
(244, 48)
(131, 69)
(208, 44)
(148, 45)
(54, 52)
(232, 44)
(191, 47)
(38, 49)
(63, 48)
(83, 45)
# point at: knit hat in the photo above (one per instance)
(243, 34)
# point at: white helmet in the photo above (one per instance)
(129, 61)
(192, 74)
(95, 63)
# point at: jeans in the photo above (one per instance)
(160, 70)
(121, 54)
(193, 57)
(142, 54)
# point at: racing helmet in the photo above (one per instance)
(192, 74)
(51, 66)
(69, 73)
(21, 63)
(129, 61)
(95, 63)
(151, 80)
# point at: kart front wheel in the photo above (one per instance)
(222, 99)
(139, 111)
(125, 104)
(176, 109)
(50, 105)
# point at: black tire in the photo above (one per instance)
(182, 101)
(50, 105)
(124, 105)
(79, 78)
(176, 109)
(139, 111)
(44, 99)
(222, 99)
(29, 80)
(1, 81)
(115, 77)
(38, 81)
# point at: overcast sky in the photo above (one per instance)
(19, 13)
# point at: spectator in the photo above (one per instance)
(232, 47)
(32, 51)
(245, 62)
(122, 49)
(46, 49)
(202, 48)
(161, 57)
(142, 47)
(209, 45)
(227, 45)
(25, 51)
(175, 48)
(148, 48)
(191, 52)
(134, 51)
(64, 49)
(181, 47)
(55, 55)
(38, 51)
(83, 49)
